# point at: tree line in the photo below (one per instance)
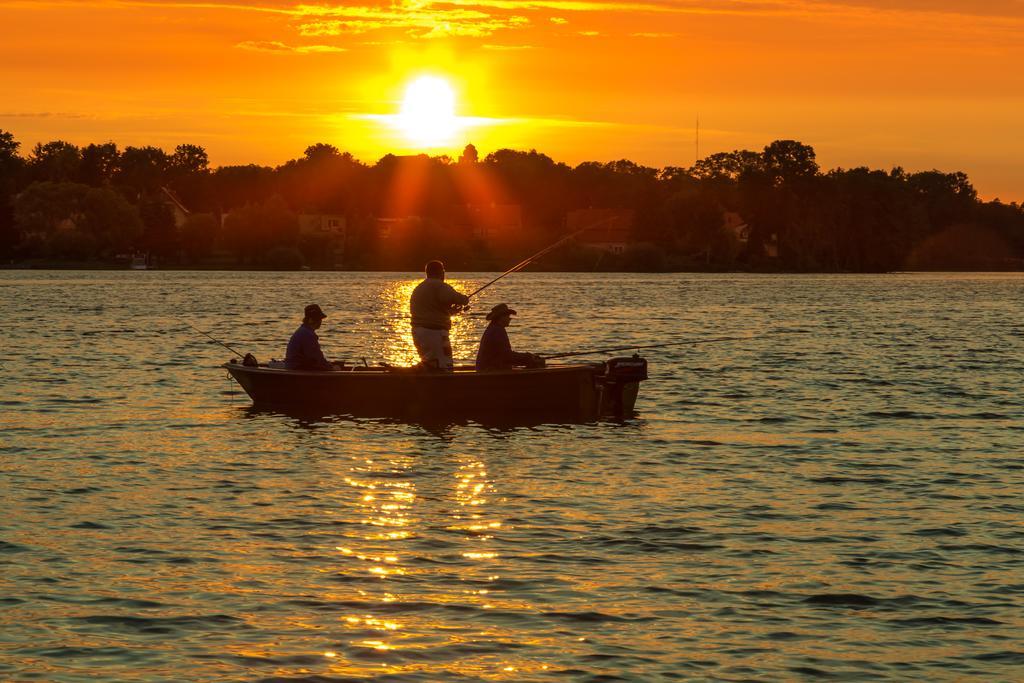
(773, 209)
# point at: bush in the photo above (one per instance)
(49, 214)
(72, 245)
(284, 258)
(199, 234)
(644, 258)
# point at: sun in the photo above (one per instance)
(428, 115)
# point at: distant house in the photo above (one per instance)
(177, 208)
(328, 232)
(489, 222)
(735, 226)
(334, 225)
(397, 229)
(610, 230)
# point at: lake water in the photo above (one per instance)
(839, 495)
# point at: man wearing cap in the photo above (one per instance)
(304, 347)
(495, 348)
(431, 306)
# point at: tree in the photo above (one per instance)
(798, 218)
(198, 234)
(788, 160)
(284, 258)
(11, 166)
(696, 221)
(950, 198)
(324, 180)
(56, 161)
(417, 185)
(160, 233)
(727, 165)
(99, 164)
(871, 218)
(8, 146)
(42, 207)
(189, 159)
(534, 180)
(321, 150)
(70, 220)
(252, 231)
(142, 170)
(235, 186)
(111, 220)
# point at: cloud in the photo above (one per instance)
(1001, 19)
(419, 20)
(560, 5)
(482, 121)
(1006, 9)
(506, 48)
(43, 115)
(282, 48)
(322, 28)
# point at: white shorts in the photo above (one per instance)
(433, 347)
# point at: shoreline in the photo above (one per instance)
(85, 267)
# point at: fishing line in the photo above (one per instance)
(644, 346)
(522, 264)
(240, 355)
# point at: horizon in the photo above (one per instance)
(259, 82)
(25, 152)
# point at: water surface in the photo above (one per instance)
(838, 495)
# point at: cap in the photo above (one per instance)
(500, 310)
(314, 311)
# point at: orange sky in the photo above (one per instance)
(919, 83)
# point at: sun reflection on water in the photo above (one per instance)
(394, 343)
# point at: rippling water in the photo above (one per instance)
(840, 495)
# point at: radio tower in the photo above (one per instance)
(696, 142)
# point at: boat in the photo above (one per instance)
(570, 392)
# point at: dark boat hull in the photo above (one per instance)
(570, 392)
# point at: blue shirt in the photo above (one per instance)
(496, 350)
(304, 351)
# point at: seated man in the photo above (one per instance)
(496, 350)
(304, 347)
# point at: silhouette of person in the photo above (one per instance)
(495, 348)
(304, 346)
(431, 306)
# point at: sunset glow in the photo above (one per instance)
(922, 84)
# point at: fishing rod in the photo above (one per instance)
(647, 346)
(522, 264)
(242, 356)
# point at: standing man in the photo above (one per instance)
(304, 347)
(432, 305)
(495, 348)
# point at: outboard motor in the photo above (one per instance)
(620, 383)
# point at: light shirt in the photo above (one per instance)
(431, 302)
